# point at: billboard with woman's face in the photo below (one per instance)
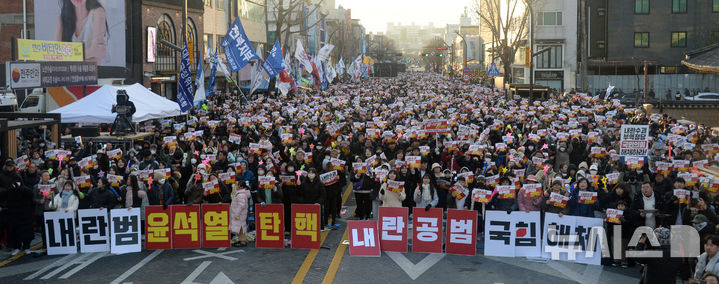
(99, 24)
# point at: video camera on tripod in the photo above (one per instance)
(122, 107)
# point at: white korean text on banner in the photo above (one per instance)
(512, 235)
(60, 232)
(570, 239)
(125, 231)
(94, 230)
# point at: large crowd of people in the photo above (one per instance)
(365, 131)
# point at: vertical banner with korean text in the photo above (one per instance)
(215, 225)
(270, 226)
(185, 226)
(158, 227)
(461, 232)
(364, 238)
(94, 230)
(512, 235)
(60, 232)
(306, 226)
(427, 226)
(393, 223)
(567, 238)
(125, 228)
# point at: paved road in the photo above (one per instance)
(331, 263)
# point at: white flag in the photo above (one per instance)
(324, 52)
(301, 56)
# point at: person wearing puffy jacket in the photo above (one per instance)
(238, 212)
(391, 198)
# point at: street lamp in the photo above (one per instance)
(464, 53)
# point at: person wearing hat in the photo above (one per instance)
(663, 270)
(527, 203)
(504, 204)
(704, 226)
(558, 188)
(17, 209)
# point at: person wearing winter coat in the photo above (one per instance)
(557, 188)
(578, 209)
(391, 198)
(425, 196)
(527, 203)
(314, 192)
(161, 193)
(18, 208)
(504, 204)
(709, 260)
(194, 193)
(104, 195)
(362, 187)
(66, 200)
(238, 212)
(135, 192)
(562, 156)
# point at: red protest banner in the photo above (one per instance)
(270, 226)
(157, 227)
(461, 232)
(427, 235)
(436, 126)
(393, 228)
(395, 186)
(329, 178)
(364, 238)
(185, 226)
(215, 225)
(306, 226)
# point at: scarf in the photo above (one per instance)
(426, 194)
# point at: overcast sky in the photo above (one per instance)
(375, 14)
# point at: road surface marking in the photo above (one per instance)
(312, 255)
(336, 260)
(19, 255)
(58, 262)
(307, 263)
(208, 254)
(415, 270)
(65, 266)
(83, 265)
(137, 267)
(191, 278)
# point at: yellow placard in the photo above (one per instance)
(45, 50)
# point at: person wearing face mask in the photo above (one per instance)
(161, 192)
(562, 155)
(194, 193)
(313, 192)
(292, 194)
(362, 185)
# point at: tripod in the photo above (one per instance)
(122, 125)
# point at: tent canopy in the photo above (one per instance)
(96, 107)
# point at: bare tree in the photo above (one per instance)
(507, 22)
(289, 18)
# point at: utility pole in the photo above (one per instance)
(645, 81)
(531, 50)
(584, 39)
(464, 51)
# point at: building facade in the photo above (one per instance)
(555, 33)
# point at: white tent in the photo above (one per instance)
(96, 107)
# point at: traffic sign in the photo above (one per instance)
(432, 53)
(465, 77)
(493, 71)
(465, 70)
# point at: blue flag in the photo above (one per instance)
(213, 72)
(275, 63)
(184, 89)
(238, 49)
